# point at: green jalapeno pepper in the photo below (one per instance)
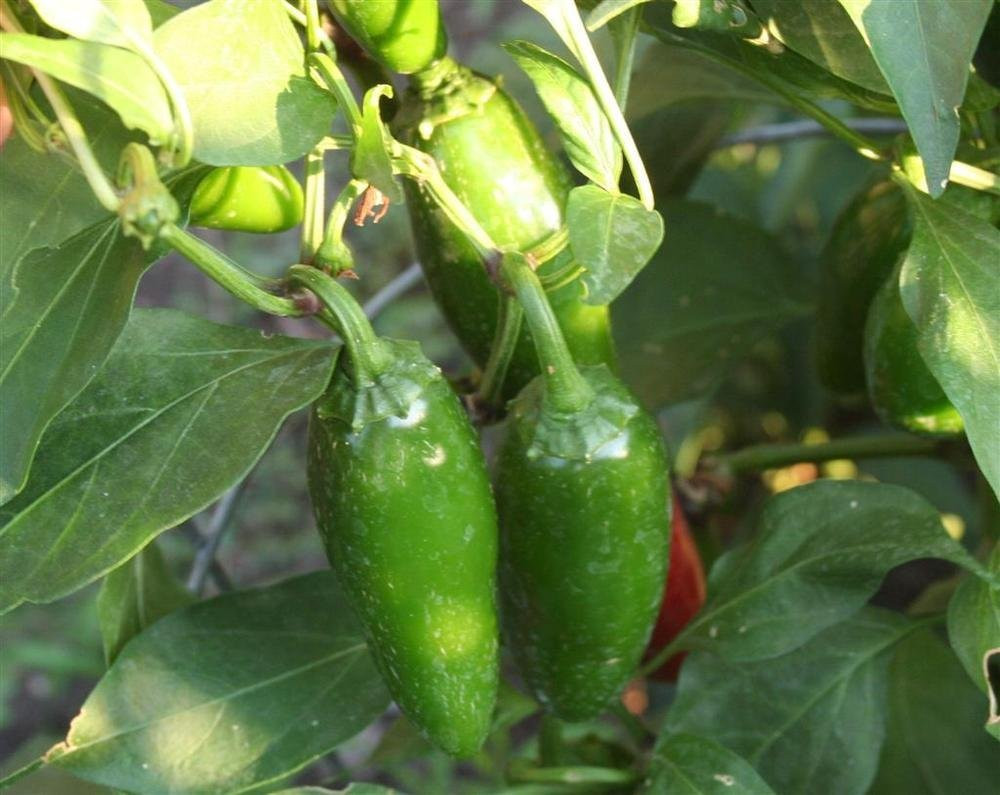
(403, 503)
(403, 35)
(582, 497)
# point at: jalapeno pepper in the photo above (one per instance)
(582, 499)
(902, 389)
(403, 35)
(494, 160)
(403, 503)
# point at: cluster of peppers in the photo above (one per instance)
(577, 530)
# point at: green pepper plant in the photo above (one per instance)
(699, 493)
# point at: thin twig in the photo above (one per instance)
(401, 284)
(213, 535)
(807, 128)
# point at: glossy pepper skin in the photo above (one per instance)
(260, 199)
(403, 35)
(403, 503)
(683, 595)
(867, 239)
(583, 545)
(493, 158)
(902, 389)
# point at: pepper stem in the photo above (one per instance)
(565, 389)
(366, 351)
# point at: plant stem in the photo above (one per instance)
(565, 389)
(638, 730)
(584, 50)
(246, 286)
(20, 773)
(973, 177)
(625, 38)
(402, 283)
(71, 126)
(576, 774)
(335, 82)
(660, 657)
(182, 114)
(504, 342)
(333, 254)
(422, 168)
(769, 456)
(367, 354)
(315, 205)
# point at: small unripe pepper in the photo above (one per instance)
(403, 503)
(261, 199)
(582, 497)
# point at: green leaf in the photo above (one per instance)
(709, 295)
(116, 22)
(607, 10)
(950, 284)
(45, 199)
(934, 738)
(819, 553)
(612, 237)
(371, 160)
(668, 74)
(179, 413)
(799, 717)
(246, 86)
(974, 623)
(907, 39)
(229, 694)
(352, 789)
(786, 73)
(135, 595)
(824, 33)
(586, 134)
(691, 764)
(63, 309)
(118, 77)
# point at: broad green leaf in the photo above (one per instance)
(612, 237)
(823, 32)
(974, 623)
(249, 96)
(934, 740)
(667, 75)
(228, 694)
(924, 50)
(135, 595)
(607, 10)
(686, 763)
(63, 309)
(799, 717)
(950, 284)
(179, 413)
(570, 101)
(45, 199)
(116, 22)
(820, 551)
(118, 77)
(371, 160)
(783, 73)
(712, 292)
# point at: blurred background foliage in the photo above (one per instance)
(789, 191)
